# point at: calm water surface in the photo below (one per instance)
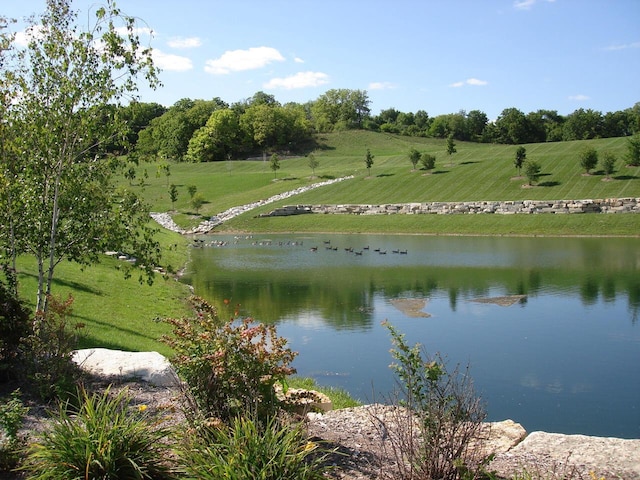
(564, 357)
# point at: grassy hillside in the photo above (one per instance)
(474, 172)
(123, 314)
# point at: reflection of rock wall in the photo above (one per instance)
(607, 205)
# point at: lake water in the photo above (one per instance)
(561, 354)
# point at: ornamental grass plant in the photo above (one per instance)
(250, 448)
(104, 438)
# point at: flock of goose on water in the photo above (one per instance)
(199, 242)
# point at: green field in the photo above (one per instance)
(123, 314)
(474, 172)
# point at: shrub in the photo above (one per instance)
(103, 439)
(12, 412)
(15, 325)
(441, 421)
(230, 367)
(248, 449)
(49, 349)
(428, 161)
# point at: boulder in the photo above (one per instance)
(151, 367)
(571, 456)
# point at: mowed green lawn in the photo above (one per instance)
(474, 172)
(123, 314)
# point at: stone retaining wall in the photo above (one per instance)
(608, 205)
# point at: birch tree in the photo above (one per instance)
(67, 206)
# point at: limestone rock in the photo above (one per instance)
(500, 437)
(151, 367)
(571, 456)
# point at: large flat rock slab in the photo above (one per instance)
(151, 367)
(571, 456)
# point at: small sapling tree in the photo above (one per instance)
(608, 164)
(588, 159)
(451, 145)
(414, 157)
(633, 153)
(532, 171)
(313, 164)
(521, 156)
(368, 161)
(274, 164)
(173, 195)
(197, 201)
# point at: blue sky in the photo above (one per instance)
(438, 56)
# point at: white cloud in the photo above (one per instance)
(299, 80)
(298, 60)
(470, 81)
(238, 60)
(527, 4)
(136, 31)
(180, 42)
(578, 98)
(623, 46)
(23, 37)
(381, 86)
(170, 62)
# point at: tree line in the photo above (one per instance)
(213, 130)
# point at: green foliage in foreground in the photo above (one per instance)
(101, 440)
(248, 449)
(449, 415)
(230, 367)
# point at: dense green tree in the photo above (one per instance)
(218, 139)
(68, 207)
(339, 109)
(511, 127)
(536, 127)
(454, 124)
(422, 120)
(617, 124)
(389, 115)
(532, 171)
(264, 125)
(588, 159)
(521, 155)
(368, 161)
(168, 136)
(476, 125)
(582, 125)
(138, 115)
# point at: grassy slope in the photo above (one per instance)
(475, 172)
(120, 313)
